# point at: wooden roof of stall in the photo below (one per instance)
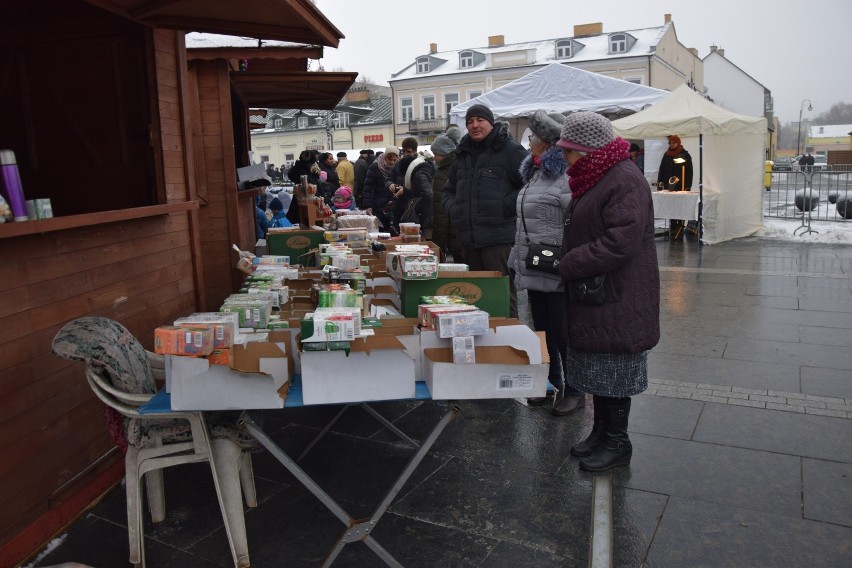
(295, 89)
(286, 20)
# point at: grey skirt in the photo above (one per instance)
(608, 374)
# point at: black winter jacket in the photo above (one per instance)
(482, 189)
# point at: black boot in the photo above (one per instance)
(594, 438)
(615, 448)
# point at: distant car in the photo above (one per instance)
(820, 163)
(782, 164)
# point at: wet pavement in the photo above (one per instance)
(742, 450)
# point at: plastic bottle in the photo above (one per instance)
(10, 185)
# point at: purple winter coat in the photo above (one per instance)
(612, 232)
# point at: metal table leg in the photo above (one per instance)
(356, 529)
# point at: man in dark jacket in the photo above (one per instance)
(481, 192)
(360, 166)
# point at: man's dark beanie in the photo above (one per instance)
(481, 111)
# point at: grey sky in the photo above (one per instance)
(797, 50)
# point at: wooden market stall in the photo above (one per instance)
(136, 145)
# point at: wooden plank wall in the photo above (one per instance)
(137, 272)
(218, 226)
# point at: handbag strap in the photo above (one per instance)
(523, 219)
(568, 224)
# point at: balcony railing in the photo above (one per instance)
(428, 125)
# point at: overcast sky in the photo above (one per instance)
(798, 50)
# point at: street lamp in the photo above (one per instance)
(799, 135)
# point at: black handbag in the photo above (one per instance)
(587, 291)
(541, 257)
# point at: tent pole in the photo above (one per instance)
(701, 189)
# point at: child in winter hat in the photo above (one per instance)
(586, 131)
(343, 198)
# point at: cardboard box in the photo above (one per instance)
(376, 368)
(196, 385)
(408, 266)
(298, 245)
(488, 291)
(250, 356)
(511, 362)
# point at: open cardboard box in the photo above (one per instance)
(377, 368)
(195, 384)
(511, 362)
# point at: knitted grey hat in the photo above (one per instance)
(454, 133)
(586, 131)
(443, 145)
(546, 126)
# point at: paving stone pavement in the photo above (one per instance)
(742, 453)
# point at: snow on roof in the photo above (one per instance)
(829, 130)
(198, 40)
(595, 48)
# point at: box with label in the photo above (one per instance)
(460, 324)
(225, 326)
(299, 245)
(187, 341)
(376, 368)
(488, 291)
(511, 362)
(408, 266)
(331, 324)
(429, 313)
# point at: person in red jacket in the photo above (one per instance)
(609, 230)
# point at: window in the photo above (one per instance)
(450, 100)
(618, 43)
(422, 64)
(473, 94)
(465, 59)
(264, 158)
(289, 158)
(341, 120)
(406, 109)
(634, 80)
(428, 107)
(302, 122)
(564, 49)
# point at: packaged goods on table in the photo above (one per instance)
(429, 313)
(409, 266)
(461, 324)
(187, 341)
(225, 326)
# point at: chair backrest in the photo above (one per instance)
(104, 343)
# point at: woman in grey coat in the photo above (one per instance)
(540, 208)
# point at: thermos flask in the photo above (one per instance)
(11, 185)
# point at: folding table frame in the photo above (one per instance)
(356, 529)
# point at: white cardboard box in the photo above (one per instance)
(511, 362)
(377, 368)
(198, 385)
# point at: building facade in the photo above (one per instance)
(425, 91)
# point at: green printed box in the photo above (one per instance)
(488, 291)
(296, 245)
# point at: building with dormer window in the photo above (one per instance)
(425, 91)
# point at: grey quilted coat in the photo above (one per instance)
(544, 197)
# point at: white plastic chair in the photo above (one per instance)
(121, 374)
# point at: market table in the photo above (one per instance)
(675, 205)
(356, 529)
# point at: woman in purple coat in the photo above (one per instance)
(609, 230)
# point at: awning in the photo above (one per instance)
(285, 20)
(296, 89)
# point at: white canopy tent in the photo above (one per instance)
(561, 88)
(731, 175)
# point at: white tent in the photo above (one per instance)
(730, 175)
(561, 88)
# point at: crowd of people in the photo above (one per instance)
(580, 193)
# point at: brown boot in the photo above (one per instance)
(568, 405)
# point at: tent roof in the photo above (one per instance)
(562, 88)
(686, 113)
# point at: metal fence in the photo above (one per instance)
(823, 194)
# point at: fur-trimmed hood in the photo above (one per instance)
(497, 138)
(553, 165)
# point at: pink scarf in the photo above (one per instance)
(588, 170)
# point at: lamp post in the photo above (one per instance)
(799, 135)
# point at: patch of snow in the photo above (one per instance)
(830, 232)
